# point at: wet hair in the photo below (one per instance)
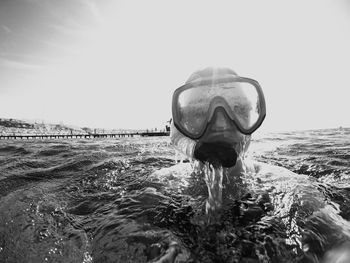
(211, 72)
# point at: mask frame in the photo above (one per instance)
(217, 102)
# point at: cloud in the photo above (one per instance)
(6, 29)
(11, 64)
(94, 10)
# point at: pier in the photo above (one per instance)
(82, 136)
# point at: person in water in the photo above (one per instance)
(214, 115)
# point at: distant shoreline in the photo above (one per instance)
(13, 128)
(19, 127)
(85, 136)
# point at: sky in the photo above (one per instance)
(115, 64)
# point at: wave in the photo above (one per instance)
(11, 149)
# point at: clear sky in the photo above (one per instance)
(115, 64)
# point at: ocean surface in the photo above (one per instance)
(125, 200)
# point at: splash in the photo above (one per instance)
(213, 178)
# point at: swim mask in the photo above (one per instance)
(195, 103)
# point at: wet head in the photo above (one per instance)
(216, 110)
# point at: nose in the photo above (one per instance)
(220, 121)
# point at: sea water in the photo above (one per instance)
(128, 200)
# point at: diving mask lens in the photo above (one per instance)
(241, 100)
